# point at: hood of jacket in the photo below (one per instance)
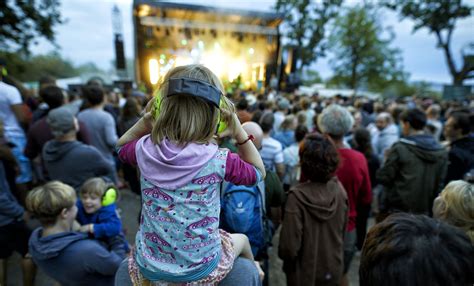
(170, 166)
(55, 150)
(425, 147)
(319, 199)
(43, 248)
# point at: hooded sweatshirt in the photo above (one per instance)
(73, 162)
(385, 139)
(72, 259)
(413, 174)
(312, 234)
(178, 239)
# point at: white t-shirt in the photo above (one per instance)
(271, 152)
(9, 96)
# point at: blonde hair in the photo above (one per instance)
(95, 186)
(184, 119)
(458, 197)
(47, 202)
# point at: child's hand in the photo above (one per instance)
(261, 274)
(234, 128)
(87, 228)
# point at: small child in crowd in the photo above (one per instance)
(182, 168)
(97, 214)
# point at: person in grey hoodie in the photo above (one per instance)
(67, 159)
(388, 134)
(67, 256)
(414, 170)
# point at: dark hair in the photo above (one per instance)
(242, 104)
(266, 122)
(319, 158)
(131, 108)
(300, 132)
(47, 80)
(461, 121)
(93, 94)
(408, 249)
(363, 142)
(415, 117)
(52, 95)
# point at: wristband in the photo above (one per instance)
(250, 138)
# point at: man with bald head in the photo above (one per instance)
(387, 136)
(254, 129)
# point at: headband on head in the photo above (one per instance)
(194, 87)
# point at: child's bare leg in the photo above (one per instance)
(241, 245)
(242, 248)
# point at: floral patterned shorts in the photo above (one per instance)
(223, 268)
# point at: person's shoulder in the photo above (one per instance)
(271, 143)
(9, 91)
(351, 153)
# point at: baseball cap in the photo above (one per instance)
(61, 121)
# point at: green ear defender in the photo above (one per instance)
(109, 197)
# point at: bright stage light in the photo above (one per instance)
(182, 61)
(184, 42)
(201, 45)
(251, 51)
(153, 69)
(236, 68)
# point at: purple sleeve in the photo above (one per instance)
(127, 154)
(239, 172)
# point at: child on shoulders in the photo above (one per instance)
(181, 169)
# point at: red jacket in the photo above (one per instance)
(353, 172)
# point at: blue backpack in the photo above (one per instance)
(243, 211)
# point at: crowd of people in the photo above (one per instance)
(219, 174)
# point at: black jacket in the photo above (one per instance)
(461, 159)
(413, 174)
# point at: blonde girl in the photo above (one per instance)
(181, 169)
(455, 205)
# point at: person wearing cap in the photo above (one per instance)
(67, 159)
(39, 133)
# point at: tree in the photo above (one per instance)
(439, 17)
(306, 23)
(361, 55)
(32, 69)
(23, 21)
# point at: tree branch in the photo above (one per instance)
(447, 52)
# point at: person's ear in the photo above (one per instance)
(64, 213)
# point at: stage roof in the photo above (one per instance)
(192, 12)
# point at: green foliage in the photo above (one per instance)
(24, 20)
(306, 23)
(312, 77)
(362, 57)
(32, 69)
(439, 17)
(404, 89)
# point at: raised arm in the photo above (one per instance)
(247, 150)
(142, 127)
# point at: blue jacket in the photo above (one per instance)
(72, 259)
(105, 220)
(10, 210)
